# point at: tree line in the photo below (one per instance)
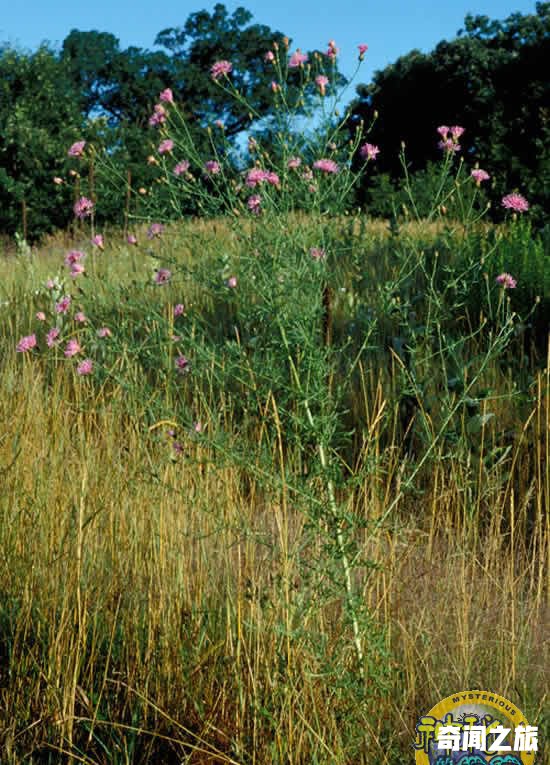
(491, 79)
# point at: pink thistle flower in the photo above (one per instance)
(179, 310)
(479, 175)
(506, 281)
(363, 48)
(26, 343)
(515, 202)
(132, 239)
(273, 179)
(369, 151)
(275, 87)
(317, 253)
(269, 56)
(293, 163)
(98, 242)
(77, 149)
(332, 51)
(162, 276)
(457, 131)
(182, 364)
(449, 145)
(177, 447)
(321, 81)
(52, 337)
(83, 207)
(443, 131)
(74, 256)
(80, 317)
(63, 305)
(254, 203)
(212, 167)
(167, 96)
(197, 426)
(72, 348)
(307, 175)
(77, 269)
(104, 332)
(41, 316)
(297, 59)
(155, 230)
(158, 117)
(232, 282)
(326, 166)
(221, 69)
(85, 367)
(255, 176)
(50, 284)
(166, 146)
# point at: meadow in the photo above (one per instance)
(172, 582)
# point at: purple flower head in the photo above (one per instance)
(457, 131)
(26, 344)
(104, 332)
(515, 202)
(97, 241)
(179, 310)
(326, 166)
(254, 203)
(52, 337)
(77, 149)
(293, 163)
(74, 256)
(166, 146)
(167, 96)
(232, 282)
(162, 276)
(449, 146)
(158, 117)
(132, 239)
(221, 69)
(369, 151)
(77, 269)
(72, 348)
(297, 59)
(269, 56)
(363, 48)
(479, 175)
(317, 253)
(85, 367)
(183, 365)
(63, 305)
(181, 168)
(443, 131)
(83, 208)
(41, 316)
(155, 230)
(80, 317)
(212, 167)
(321, 81)
(506, 281)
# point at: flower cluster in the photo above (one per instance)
(449, 138)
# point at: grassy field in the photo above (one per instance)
(171, 597)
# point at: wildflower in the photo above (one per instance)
(155, 230)
(97, 241)
(293, 163)
(177, 447)
(269, 56)
(72, 348)
(85, 367)
(181, 168)
(321, 81)
(51, 284)
(167, 96)
(326, 166)
(456, 131)
(362, 50)
(479, 175)
(221, 69)
(273, 179)
(26, 343)
(80, 317)
(449, 145)
(162, 276)
(52, 337)
(63, 305)
(515, 202)
(77, 269)
(255, 177)
(41, 316)
(275, 87)
(57, 180)
(317, 253)
(74, 256)
(179, 310)
(254, 203)
(307, 175)
(212, 167)
(369, 151)
(77, 149)
(158, 117)
(297, 59)
(450, 136)
(506, 281)
(166, 146)
(219, 124)
(182, 364)
(83, 207)
(104, 332)
(132, 239)
(332, 51)
(197, 426)
(443, 131)
(232, 282)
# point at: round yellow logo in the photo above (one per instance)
(475, 728)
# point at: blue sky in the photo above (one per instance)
(389, 27)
